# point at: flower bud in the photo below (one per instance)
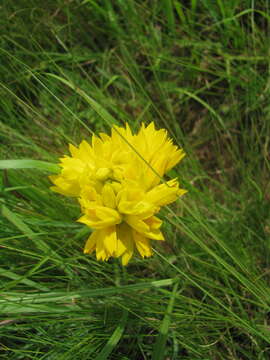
(108, 196)
(102, 174)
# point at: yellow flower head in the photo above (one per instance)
(117, 182)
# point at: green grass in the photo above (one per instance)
(200, 69)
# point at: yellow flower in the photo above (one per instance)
(117, 182)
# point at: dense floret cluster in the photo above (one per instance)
(118, 182)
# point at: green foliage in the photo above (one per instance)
(198, 69)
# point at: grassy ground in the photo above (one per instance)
(200, 69)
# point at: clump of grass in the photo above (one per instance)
(199, 69)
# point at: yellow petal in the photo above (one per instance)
(100, 217)
(91, 243)
(136, 223)
(97, 145)
(110, 240)
(104, 213)
(154, 234)
(104, 137)
(73, 150)
(103, 173)
(175, 158)
(142, 208)
(124, 235)
(142, 244)
(101, 252)
(126, 257)
(108, 196)
(164, 194)
(65, 187)
(117, 187)
(148, 227)
(153, 222)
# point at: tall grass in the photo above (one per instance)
(200, 69)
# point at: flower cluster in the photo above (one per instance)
(117, 180)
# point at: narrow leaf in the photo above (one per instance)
(19, 278)
(114, 339)
(160, 345)
(29, 164)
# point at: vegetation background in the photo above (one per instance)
(200, 69)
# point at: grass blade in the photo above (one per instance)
(114, 339)
(40, 244)
(160, 345)
(18, 278)
(29, 164)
